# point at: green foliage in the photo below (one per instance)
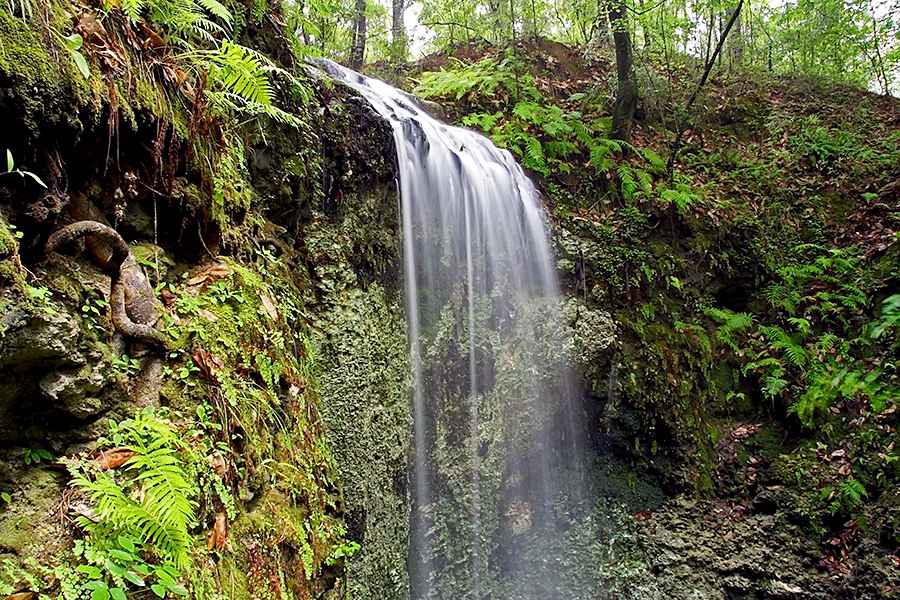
(826, 285)
(846, 497)
(729, 324)
(486, 77)
(240, 83)
(161, 515)
(35, 456)
(12, 170)
(889, 323)
(184, 20)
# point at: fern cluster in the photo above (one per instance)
(547, 138)
(486, 77)
(184, 20)
(150, 498)
(813, 352)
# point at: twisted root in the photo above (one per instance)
(132, 303)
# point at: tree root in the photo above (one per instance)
(132, 302)
(133, 307)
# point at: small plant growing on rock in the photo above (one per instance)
(34, 456)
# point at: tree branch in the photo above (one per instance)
(676, 145)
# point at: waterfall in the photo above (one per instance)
(498, 483)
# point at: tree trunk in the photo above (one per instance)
(627, 92)
(358, 50)
(736, 40)
(600, 34)
(398, 31)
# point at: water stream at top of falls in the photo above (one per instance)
(497, 482)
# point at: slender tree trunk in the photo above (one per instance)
(358, 50)
(736, 40)
(676, 145)
(398, 31)
(627, 91)
(600, 33)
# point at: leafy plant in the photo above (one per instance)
(12, 170)
(73, 44)
(485, 77)
(34, 456)
(729, 325)
(890, 319)
(161, 515)
(846, 497)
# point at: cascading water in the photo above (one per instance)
(498, 489)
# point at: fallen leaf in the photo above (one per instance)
(113, 459)
(268, 306)
(219, 533)
(210, 273)
(218, 464)
(22, 596)
(208, 363)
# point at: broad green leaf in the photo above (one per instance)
(74, 42)
(101, 593)
(37, 179)
(81, 63)
(10, 163)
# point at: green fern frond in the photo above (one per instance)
(218, 10)
(151, 498)
(240, 72)
(534, 155)
(800, 324)
(227, 103)
(627, 182)
(134, 8)
(601, 157)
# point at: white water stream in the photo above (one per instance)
(492, 400)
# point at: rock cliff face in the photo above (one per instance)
(285, 373)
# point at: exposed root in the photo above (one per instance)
(132, 302)
(133, 306)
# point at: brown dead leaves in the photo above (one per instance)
(209, 274)
(113, 459)
(208, 363)
(219, 533)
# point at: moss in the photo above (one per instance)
(43, 82)
(24, 55)
(364, 382)
(12, 274)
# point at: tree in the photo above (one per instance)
(627, 90)
(600, 30)
(398, 31)
(358, 49)
(736, 40)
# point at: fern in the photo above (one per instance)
(153, 500)
(486, 77)
(484, 121)
(185, 18)
(788, 344)
(218, 10)
(730, 323)
(534, 155)
(890, 318)
(134, 8)
(849, 496)
(239, 72)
